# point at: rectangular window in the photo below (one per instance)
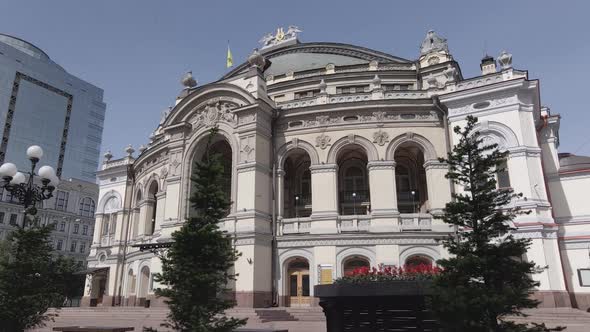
(76, 228)
(82, 247)
(62, 226)
(584, 275)
(13, 218)
(306, 94)
(61, 200)
(1, 217)
(60, 244)
(84, 229)
(73, 246)
(352, 89)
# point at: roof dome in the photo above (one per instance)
(308, 56)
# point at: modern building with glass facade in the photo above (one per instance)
(42, 104)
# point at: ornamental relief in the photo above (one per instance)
(213, 112)
(348, 118)
(247, 149)
(323, 141)
(380, 137)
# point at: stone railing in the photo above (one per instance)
(415, 222)
(353, 223)
(294, 225)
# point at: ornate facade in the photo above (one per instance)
(331, 159)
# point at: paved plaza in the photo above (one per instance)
(575, 320)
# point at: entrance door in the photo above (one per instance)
(299, 288)
(102, 284)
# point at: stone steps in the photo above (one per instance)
(274, 315)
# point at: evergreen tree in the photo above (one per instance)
(31, 279)
(486, 279)
(196, 268)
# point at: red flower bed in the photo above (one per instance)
(390, 273)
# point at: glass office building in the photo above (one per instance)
(41, 103)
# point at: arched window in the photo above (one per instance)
(417, 260)
(152, 208)
(410, 179)
(297, 185)
(353, 180)
(87, 207)
(352, 263)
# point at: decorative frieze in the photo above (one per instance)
(342, 118)
(214, 112)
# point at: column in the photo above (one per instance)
(97, 229)
(324, 198)
(280, 174)
(439, 192)
(384, 211)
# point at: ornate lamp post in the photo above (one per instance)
(26, 190)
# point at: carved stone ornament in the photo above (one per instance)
(164, 172)
(380, 137)
(214, 112)
(323, 141)
(280, 36)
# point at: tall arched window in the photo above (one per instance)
(136, 212)
(353, 181)
(152, 208)
(87, 207)
(410, 179)
(297, 185)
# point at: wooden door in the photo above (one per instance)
(299, 288)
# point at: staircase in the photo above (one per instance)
(309, 314)
(274, 315)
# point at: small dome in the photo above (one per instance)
(188, 80)
(256, 59)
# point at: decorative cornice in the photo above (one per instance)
(381, 165)
(251, 167)
(323, 168)
(435, 164)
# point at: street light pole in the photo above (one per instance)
(296, 206)
(354, 203)
(25, 190)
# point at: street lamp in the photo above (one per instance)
(25, 190)
(296, 206)
(413, 201)
(354, 203)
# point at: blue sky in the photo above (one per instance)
(137, 51)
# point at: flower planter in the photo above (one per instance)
(377, 306)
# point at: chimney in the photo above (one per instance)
(488, 65)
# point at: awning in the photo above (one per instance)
(93, 270)
(152, 246)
